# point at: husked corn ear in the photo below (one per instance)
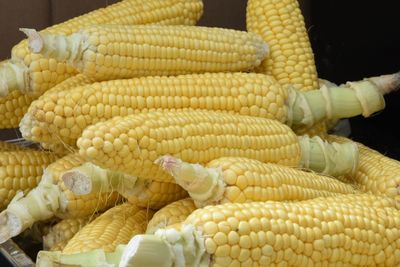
(321, 231)
(60, 116)
(30, 72)
(281, 25)
(132, 143)
(63, 115)
(377, 173)
(63, 231)
(173, 213)
(107, 52)
(240, 180)
(114, 227)
(51, 198)
(21, 171)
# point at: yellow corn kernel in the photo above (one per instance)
(60, 233)
(132, 143)
(114, 227)
(21, 171)
(173, 213)
(34, 73)
(277, 233)
(107, 52)
(240, 180)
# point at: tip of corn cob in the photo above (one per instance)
(35, 40)
(387, 83)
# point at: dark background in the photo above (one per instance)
(351, 40)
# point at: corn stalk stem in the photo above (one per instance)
(85, 259)
(333, 103)
(332, 159)
(60, 47)
(89, 178)
(166, 248)
(40, 204)
(204, 185)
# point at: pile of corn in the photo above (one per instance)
(167, 144)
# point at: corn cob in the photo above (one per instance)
(291, 62)
(115, 226)
(89, 179)
(6, 146)
(107, 52)
(240, 180)
(61, 116)
(377, 174)
(131, 144)
(51, 198)
(281, 25)
(30, 72)
(60, 233)
(21, 171)
(350, 230)
(173, 213)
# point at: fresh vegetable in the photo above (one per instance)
(132, 143)
(107, 52)
(60, 116)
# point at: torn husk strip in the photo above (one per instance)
(328, 158)
(167, 247)
(205, 185)
(85, 259)
(62, 48)
(89, 178)
(13, 76)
